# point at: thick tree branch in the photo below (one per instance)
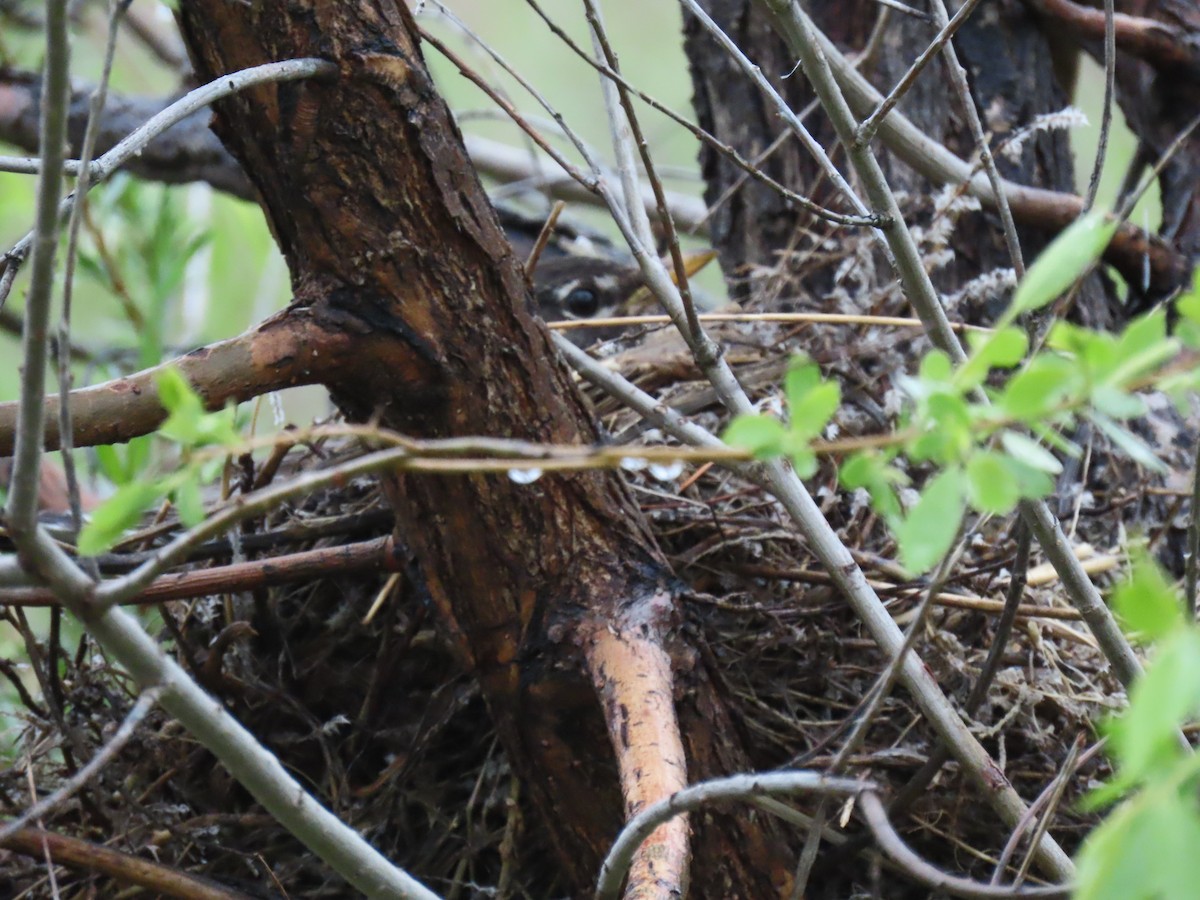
(288, 350)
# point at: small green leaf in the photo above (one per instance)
(1147, 602)
(1003, 349)
(761, 435)
(1129, 444)
(1060, 264)
(804, 461)
(870, 470)
(947, 434)
(1117, 403)
(990, 486)
(1039, 388)
(810, 416)
(1030, 452)
(928, 532)
(1146, 738)
(936, 366)
(119, 512)
(1187, 329)
(188, 502)
(1144, 849)
(802, 376)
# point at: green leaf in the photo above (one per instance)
(1060, 264)
(188, 423)
(1030, 452)
(1117, 403)
(936, 367)
(118, 513)
(1003, 348)
(990, 486)
(188, 502)
(761, 435)
(804, 461)
(947, 434)
(810, 416)
(1146, 602)
(928, 532)
(1144, 849)
(870, 470)
(1129, 444)
(1187, 328)
(1039, 388)
(1146, 738)
(802, 376)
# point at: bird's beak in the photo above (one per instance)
(693, 262)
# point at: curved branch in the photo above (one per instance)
(1166, 47)
(287, 350)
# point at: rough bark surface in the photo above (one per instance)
(391, 239)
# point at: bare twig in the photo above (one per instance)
(736, 787)
(1110, 77)
(870, 125)
(101, 169)
(958, 77)
(163, 881)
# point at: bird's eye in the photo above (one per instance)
(582, 303)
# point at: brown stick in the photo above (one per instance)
(287, 350)
(88, 857)
(367, 556)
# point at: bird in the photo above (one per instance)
(574, 288)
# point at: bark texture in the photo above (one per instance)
(391, 240)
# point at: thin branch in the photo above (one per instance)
(876, 817)
(347, 559)
(84, 856)
(958, 77)
(1106, 116)
(1130, 248)
(785, 111)
(21, 508)
(750, 169)
(226, 85)
(65, 378)
(987, 673)
(878, 694)
(736, 787)
(1192, 568)
(870, 125)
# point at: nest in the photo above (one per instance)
(381, 721)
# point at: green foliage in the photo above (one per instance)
(1146, 846)
(139, 252)
(990, 427)
(192, 429)
(1068, 257)
(812, 402)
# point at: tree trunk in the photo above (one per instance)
(390, 238)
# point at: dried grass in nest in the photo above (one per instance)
(382, 723)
